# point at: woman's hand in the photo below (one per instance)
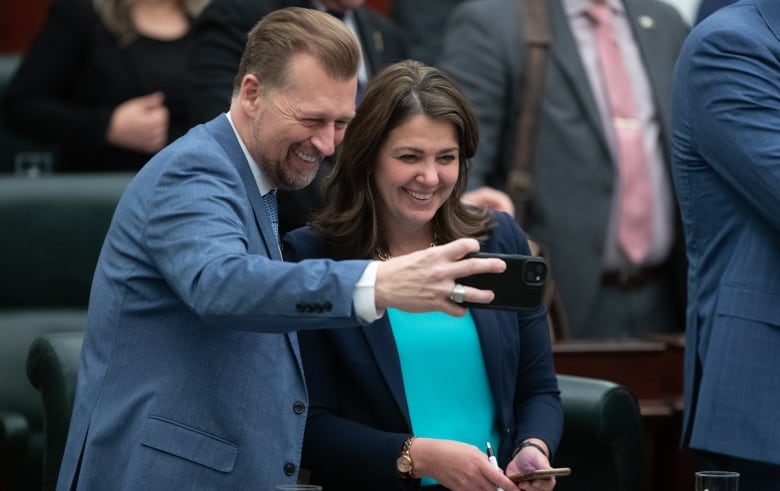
(457, 466)
(140, 124)
(530, 459)
(492, 199)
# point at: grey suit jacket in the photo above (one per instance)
(574, 170)
(190, 374)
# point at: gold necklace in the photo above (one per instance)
(383, 255)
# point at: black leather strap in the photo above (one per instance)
(529, 444)
(537, 37)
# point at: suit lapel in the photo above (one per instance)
(223, 133)
(564, 54)
(488, 330)
(645, 31)
(379, 336)
(770, 10)
(226, 137)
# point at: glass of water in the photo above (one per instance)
(298, 487)
(717, 481)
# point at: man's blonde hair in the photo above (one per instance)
(283, 33)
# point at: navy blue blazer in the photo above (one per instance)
(359, 419)
(727, 173)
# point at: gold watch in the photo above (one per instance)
(404, 462)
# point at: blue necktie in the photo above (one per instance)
(272, 210)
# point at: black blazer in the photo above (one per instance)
(358, 415)
(74, 75)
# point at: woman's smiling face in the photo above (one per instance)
(416, 171)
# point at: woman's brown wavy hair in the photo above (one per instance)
(349, 221)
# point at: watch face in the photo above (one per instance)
(404, 464)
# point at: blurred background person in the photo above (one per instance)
(603, 202)
(104, 80)
(421, 22)
(418, 395)
(220, 34)
(727, 173)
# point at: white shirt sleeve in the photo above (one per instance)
(363, 298)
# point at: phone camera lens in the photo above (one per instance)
(535, 273)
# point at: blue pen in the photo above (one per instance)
(492, 460)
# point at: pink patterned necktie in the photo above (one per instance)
(635, 217)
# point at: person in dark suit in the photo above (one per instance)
(726, 114)
(411, 399)
(605, 292)
(421, 22)
(102, 80)
(220, 33)
(190, 374)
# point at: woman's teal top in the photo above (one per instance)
(445, 379)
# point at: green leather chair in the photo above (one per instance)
(602, 437)
(51, 232)
(52, 366)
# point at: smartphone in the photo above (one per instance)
(520, 286)
(540, 474)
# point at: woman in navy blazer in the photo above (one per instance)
(412, 399)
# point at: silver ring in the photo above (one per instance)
(458, 294)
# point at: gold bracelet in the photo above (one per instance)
(404, 462)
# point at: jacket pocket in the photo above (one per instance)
(750, 304)
(189, 443)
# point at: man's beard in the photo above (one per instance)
(286, 178)
(283, 174)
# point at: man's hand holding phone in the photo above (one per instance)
(521, 286)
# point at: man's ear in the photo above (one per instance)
(250, 93)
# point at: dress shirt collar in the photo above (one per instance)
(576, 8)
(262, 182)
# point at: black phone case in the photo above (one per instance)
(520, 286)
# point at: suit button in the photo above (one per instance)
(327, 306)
(289, 469)
(509, 431)
(299, 308)
(299, 407)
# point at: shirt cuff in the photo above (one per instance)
(363, 297)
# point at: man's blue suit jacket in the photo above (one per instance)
(190, 373)
(359, 416)
(727, 172)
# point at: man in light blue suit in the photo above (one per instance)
(190, 373)
(726, 120)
